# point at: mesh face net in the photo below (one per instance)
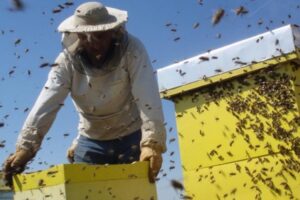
(80, 60)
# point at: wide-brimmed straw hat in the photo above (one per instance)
(92, 17)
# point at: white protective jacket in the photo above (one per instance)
(112, 102)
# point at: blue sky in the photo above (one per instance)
(40, 43)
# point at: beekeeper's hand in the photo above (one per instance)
(155, 161)
(15, 164)
(71, 152)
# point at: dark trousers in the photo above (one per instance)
(118, 151)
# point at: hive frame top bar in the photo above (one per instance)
(256, 49)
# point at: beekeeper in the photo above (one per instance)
(108, 74)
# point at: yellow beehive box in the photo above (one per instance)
(82, 181)
(268, 178)
(237, 104)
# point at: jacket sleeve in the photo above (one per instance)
(48, 103)
(144, 89)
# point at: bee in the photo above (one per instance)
(201, 133)
(68, 3)
(176, 39)
(44, 65)
(230, 154)
(177, 185)
(66, 134)
(181, 72)
(240, 62)
(50, 173)
(18, 4)
(221, 158)
(219, 14)
(54, 65)
(61, 6)
(260, 22)
(172, 140)
(18, 41)
(56, 10)
(241, 10)
(41, 183)
(296, 146)
(218, 70)
(196, 25)
(233, 191)
(168, 24)
(185, 197)
(204, 58)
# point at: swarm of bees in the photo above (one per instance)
(275, 88)
(260, 113)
